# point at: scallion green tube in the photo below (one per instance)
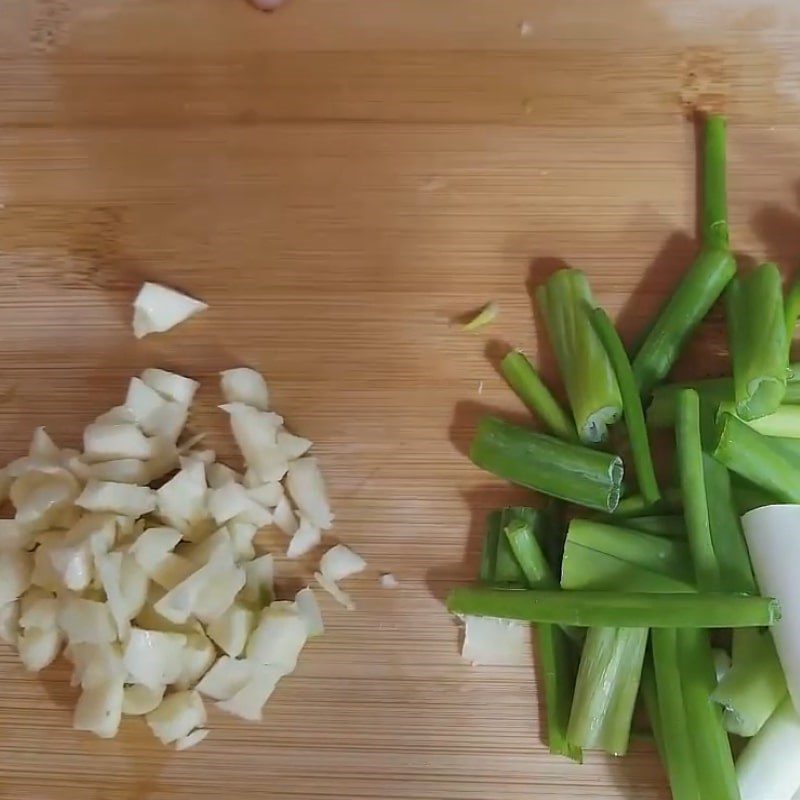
(716, 774)
(760, 459)
(706, 278)
(566, 302)
(783, 422)
(606, 687)
(712, 391)
(647, 689)
(655, 553)
(636, 506)
(554, 650)
(529, 555)
(759, 349)
(525, 381)
(585, 569)
(616, 609)
(693, 488)
(715, 193)
(631, 405)
(698, 291)
(677, 749)
(568, 471)
(754, 686)
(671, 525)
(488, 565)
(727, 538)
(792, 310)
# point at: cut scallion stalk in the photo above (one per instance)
(693, 487)
(636, 506)
(706, 279)
(716, 774)
(758, 458)
(566, 303)
(655, 553)
(792, 310)
(783, 422)
(677, 750)
(727, 538)
(529, 556)
(568, 471)
(712, 391)
(525, 381)
(606, 688)
(715, 194)
(489, 553)
(759, 349)
(585, 569)
(554, 650)
(671, 525)
(616, 609)
(698, 291)
(631, 405)
(753, 687)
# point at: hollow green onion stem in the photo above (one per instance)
(693, 487)
(566, 302)
(712, 391)
(655, 553)
(554, 649)
(525, 381)
(783, 422)
(760, 459)
(631, 405)
(759, 349)
(716, 774)
(792, 310)
(676, 744)
(705, 280)
(568, 471)
(606, 688)
(616, 609)
(715, 195)
(754, 686)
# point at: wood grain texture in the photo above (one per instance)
(338, 180)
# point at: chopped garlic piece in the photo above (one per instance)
(245, 385)
(177, 716)
(305, 539)
(307, 488)
(278, 638)
(309, 610)
(490, 641)
(138, 699)
(341, 562)
(231, 630)
(388, 581)
(99, 709)
(157, 309)
(38, 648)
(171, 385)
(332, 588)
(250, 699)
(225, 678)
(118, 498)
(191, 739)
(154, 658)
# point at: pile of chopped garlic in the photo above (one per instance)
(158, 596)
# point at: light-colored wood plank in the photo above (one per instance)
(337, 180)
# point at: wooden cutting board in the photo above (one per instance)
(338, 180)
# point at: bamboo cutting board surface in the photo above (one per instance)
(337, 180)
